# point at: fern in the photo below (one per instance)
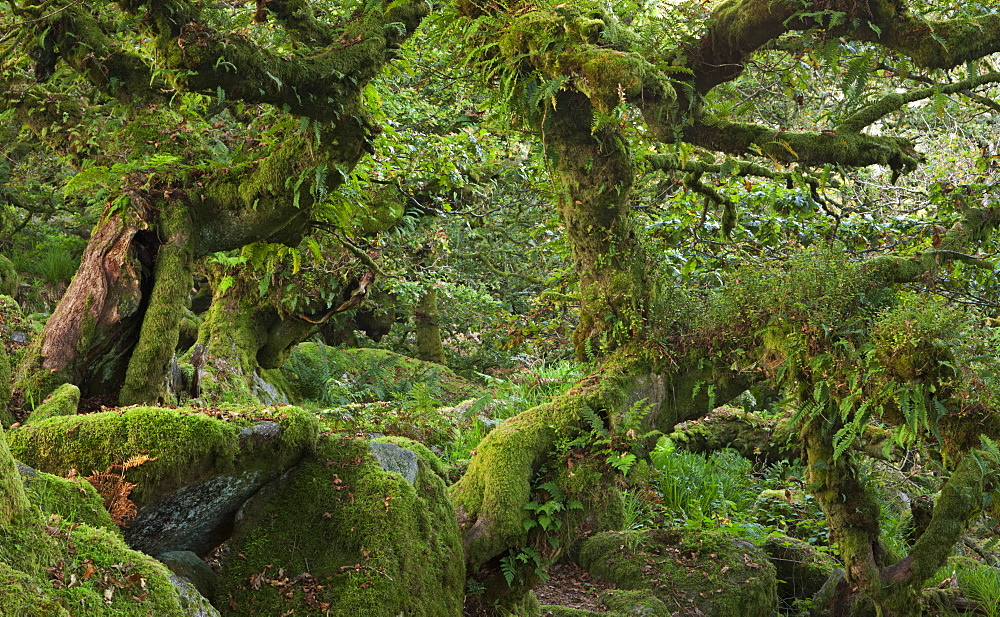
(595, 421)
(855, 82)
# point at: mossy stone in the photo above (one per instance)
(8, 277)
(69, 567)
(192, 568)
(140, 575)
(63, 401)
(642, 603)
(22, 595)
(801, 569)
(186, 446)
(200, 468)
(75, 501)
(550, 610)
(340, 536)
(707, 570)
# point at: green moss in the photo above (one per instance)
(590, 482)
(427, 457)
(63, 401)
(230, 336)
(8, 278)
(548, 610)
(491, 496)
(800, 568)
(720, 575)
(22, 595)
(188, 446)
(312, 363)
(70, 569)
(279, 380)
(6, 419)
(23, 544)
(74, 501)
(15, 328)
(160, 330)
(642, 602)
(342, 537)
(383, 211)
(130, 574)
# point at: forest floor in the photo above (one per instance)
(570, 586)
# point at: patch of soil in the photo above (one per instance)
(570, 586)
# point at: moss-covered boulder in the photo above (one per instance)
(192, 470)
(6, 387)
(801, 569)
(56, 566)
(369, 375)
(194, 570)
(341, 536)
(549, 610)
(73, 500)
(704, 572)
(634, 603)
(120, 575)
(8, 277)
(63, 401)
(751, 435)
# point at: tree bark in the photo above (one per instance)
(88, 338)
(427, 328)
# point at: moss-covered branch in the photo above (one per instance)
(945, 44)
(977, 225)
(806, 148)
(894, 102)
(57, 120)
(299, 20)
(741, 27)
(82, 43)
(314, 85)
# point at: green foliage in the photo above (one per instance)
(57, 266)
(982, 585)
(693, 487)
(332, 376)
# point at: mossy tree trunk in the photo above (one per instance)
(892, 582)
(427, 328)
(241, 334)
(595, 171)
(88, 338)
(179, 200)
(160, 330)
